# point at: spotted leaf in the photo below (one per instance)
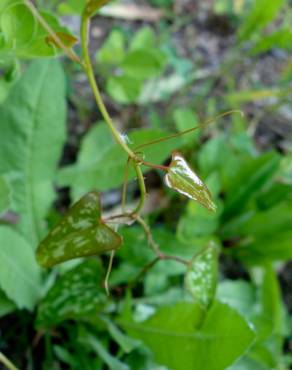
(79, 233)
(181, 178)
(201, 277)
(78, 294)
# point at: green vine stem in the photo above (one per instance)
(87, 66)
(173, 136)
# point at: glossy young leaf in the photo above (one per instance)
(31, 141)
(79, 233)
(181, 178)
(202, 275)
(78, 294)
(180, 340)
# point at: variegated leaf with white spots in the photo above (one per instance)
(201, 277)
(79, 233)
(78, 294)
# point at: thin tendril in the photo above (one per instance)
(204, 124)
(109, 270)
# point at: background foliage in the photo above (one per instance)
(231, 307)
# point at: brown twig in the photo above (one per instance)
(155, 247)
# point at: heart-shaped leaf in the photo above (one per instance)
(79, 233)
(76, 294)
(201, 277)
(182, 178)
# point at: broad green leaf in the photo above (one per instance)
(257, 223)
(77, 294)
(79, 233)
(239, 294)
(113, 49)
(98, 148)
(271, 300)
(161, 89)
(71, 6)
(10, 74)
(197, 221)
(143, 39)
(279, 39)
(260, 15)
(263, 249)
(32, 136)
(123, 89)
(285, 174)
(4, 194)
(179, 339)
(251, 178)
(20, 276)
(181, 178)
(143, 63)
(95, 345)
(274, 194)
(212, 158)
(93, 5)
(245, 363)
(244, 297)
(202, 275)
(25, 37)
